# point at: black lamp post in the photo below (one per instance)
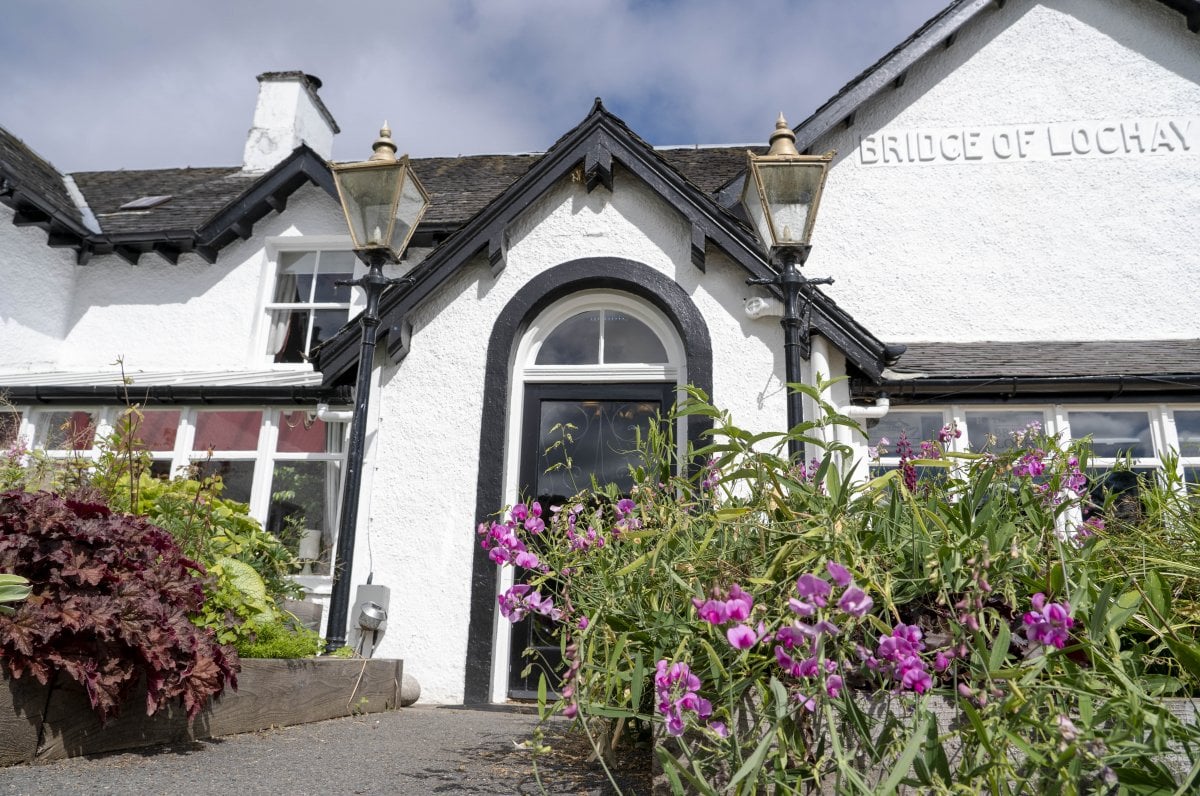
(383, 201)
(781, 196)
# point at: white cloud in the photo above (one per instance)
(147, 83)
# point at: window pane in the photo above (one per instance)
(598, 437)
(68, 430)
(999, 431)
(325, 325)
(575, 341)
(157, 430)
(298, 433)
(227, 431)
(1187, 423)
(325, 290)
(627, 339)
(918, 425)
(10, 427)
(1114, 433)
(287, 337)
(237, 477)
(303, 513)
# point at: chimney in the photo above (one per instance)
(289, 112)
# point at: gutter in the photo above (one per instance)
(170, 394)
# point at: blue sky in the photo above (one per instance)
(160, 83)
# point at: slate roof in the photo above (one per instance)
(196, 195)
(23, 169)
(1048, 359)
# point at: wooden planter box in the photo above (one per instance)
(39, 723)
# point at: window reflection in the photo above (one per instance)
(579, 440)
(917, 425)
(1114, 434)
(998, 431)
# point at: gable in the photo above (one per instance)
(1031, 181)
(590, 154)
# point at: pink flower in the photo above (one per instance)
(840, 575)
(833, 685)
(856, 602)
(715, 612)
(739, 604)
(1048, 624)
(741, 637)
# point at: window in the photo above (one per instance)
(306, 307)
(282, 461)
(999, 430)
(10, 428)
(1187, 426)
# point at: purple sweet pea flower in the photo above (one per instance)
(840, 575)
(856, 602)
(834, 685)
(715, 612)
(739, 604)
(813, 589)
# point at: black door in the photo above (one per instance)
(572, 433)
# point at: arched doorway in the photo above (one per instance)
(488, 644)
(591, 373)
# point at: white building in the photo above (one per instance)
(1014, 201)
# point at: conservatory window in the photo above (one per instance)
(285, 463)
(306, 307)
(1187, 426)
(10, 428)
(1000, 431)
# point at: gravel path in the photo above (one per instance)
(417, 750)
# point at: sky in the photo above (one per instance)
(136, 84)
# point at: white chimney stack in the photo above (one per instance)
(289, 112)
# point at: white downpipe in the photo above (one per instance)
(327, 415)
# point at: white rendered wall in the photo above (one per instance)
(36, 286)
(1085, 244)
(285, 116)
(193, 315)
(423, 505)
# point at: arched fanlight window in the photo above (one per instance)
(601, 336)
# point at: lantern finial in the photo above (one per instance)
(783, 140)
(384, 147)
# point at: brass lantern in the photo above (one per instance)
(382, 198)
(783, 189)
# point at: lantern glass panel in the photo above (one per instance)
(792, 190)
(369, 197)
(409, 209)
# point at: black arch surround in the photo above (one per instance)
(610, 273)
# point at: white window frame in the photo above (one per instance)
(297, 244)
(264, 455)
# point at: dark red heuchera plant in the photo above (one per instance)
(110, 604)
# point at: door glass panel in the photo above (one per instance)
(1114, 433)
(626, 339)
(578, 440)
(575, 341)
(999, 431)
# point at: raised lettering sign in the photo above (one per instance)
(1172, 135)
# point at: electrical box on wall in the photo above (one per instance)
(369, 617)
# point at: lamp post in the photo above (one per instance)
(383, 201)
(781, 196)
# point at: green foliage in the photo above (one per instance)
(957, 554)
(13, 589)
(278, 639)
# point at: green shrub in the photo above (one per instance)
(278, 640)
(742, 608)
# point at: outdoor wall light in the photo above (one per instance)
(383, 201)
(382, 198)
(781, 195)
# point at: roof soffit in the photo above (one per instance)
(595, 143)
